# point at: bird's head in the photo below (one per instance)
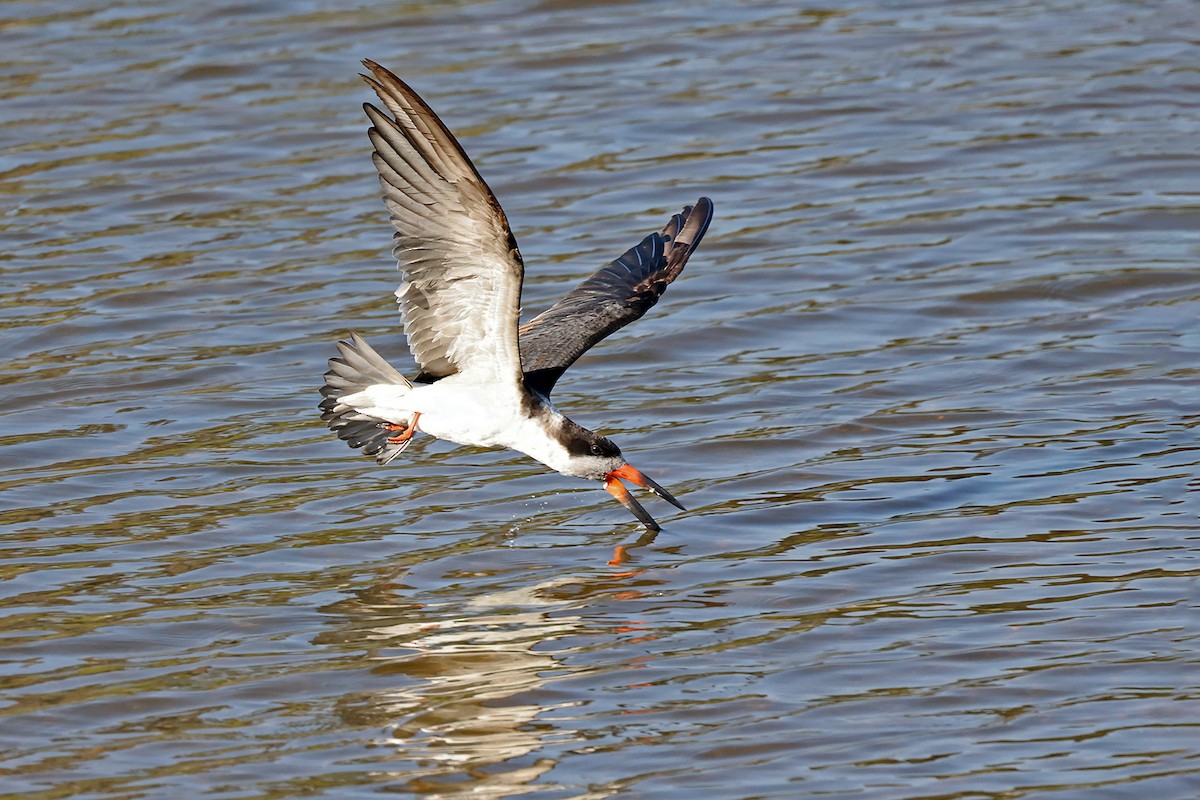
(593, 457)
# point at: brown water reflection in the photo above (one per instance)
(478, 687)
(928, 389)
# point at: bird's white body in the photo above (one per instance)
(458, 411)
(465, 411)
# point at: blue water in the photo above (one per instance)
(927, 389)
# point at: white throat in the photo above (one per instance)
(536, 437)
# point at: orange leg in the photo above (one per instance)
(408, 430)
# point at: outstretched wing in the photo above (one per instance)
(461, 291)
(613, 297)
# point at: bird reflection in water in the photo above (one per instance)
(476, 701)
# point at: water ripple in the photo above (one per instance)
(927, 391)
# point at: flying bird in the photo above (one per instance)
(483, 380)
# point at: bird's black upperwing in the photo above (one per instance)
(616, 295)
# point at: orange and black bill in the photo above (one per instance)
(617, 489)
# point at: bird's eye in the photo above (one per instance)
(596, 450)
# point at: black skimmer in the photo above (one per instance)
(484, 381)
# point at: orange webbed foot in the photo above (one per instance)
(407, 431)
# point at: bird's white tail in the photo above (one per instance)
(358, 368)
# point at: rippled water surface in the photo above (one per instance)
(929, 389)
